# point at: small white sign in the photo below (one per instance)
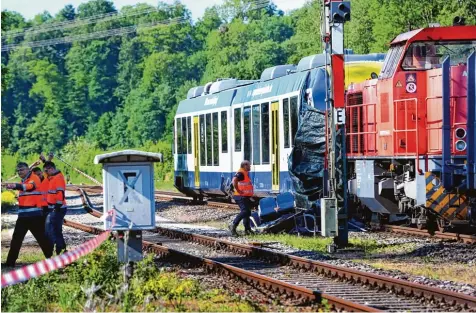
(339, 116)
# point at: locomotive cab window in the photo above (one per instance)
(431, 54)
(391, 61)
(286, 122)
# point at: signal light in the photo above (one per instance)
(459, 20)
(340, 11)
(460, 145)
(460, 133)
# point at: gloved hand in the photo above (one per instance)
(57, 207)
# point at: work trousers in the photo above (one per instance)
(54, 229)
(36, 225)
(245, 211)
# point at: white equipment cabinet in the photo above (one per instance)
(128, 183)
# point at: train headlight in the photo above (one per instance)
(460, 145)
(460, 133)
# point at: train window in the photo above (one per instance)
(179, 136)
(256, 134)
(391, 61)
(238, 129)
(265, 132)
(189, 135)
(215, 138)
(174, 150)
(224, 133)
(184, 135)
(208, 123)
(294, 117)
(203, 153)
(247, 133)
(286, 122)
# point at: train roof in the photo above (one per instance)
(437, 34)
(309, 76)
(253, 92)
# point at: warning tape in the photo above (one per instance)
(45, 266)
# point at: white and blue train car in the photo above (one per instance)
(225, 122)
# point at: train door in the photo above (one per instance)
(195, 151)
(275, 145)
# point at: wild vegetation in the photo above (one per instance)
(95, 283)
(119, 92)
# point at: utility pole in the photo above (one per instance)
(336, 13)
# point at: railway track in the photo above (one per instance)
(314, 280)
(469, 239)
(177, 196)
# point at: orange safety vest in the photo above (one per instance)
(43, 188)
(245, 186)
(29, 196)
(56, 191)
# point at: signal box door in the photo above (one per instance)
(275, 145)
(195, 151)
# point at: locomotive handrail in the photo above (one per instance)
(364, 133)
(407, 130)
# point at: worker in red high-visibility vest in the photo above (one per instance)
(30, 214)
(243, 192)
(56, 200)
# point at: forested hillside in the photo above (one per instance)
(121, 91)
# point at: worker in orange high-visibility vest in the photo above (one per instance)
(43, 188)
(30, 214)
(56, 200)
(242, 194)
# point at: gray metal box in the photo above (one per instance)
(128, 179)
(328, 217)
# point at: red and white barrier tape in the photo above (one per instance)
(45, 266)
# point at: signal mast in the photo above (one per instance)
(336, 13)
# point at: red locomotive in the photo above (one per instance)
(411, 132)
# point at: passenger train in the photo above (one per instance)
(227, 121)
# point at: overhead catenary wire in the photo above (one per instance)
(99, 18)
(254, 5)
(88, 36)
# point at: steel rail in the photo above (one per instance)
(258, 279)
(383, 282)
(469, 239)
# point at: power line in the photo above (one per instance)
(99, 18)
(254, 5)
(89, 36)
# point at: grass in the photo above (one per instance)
(450, 271)
(165, 185)
(317, 244)
(149, 289)
(27, 255)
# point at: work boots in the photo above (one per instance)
(233, 230)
